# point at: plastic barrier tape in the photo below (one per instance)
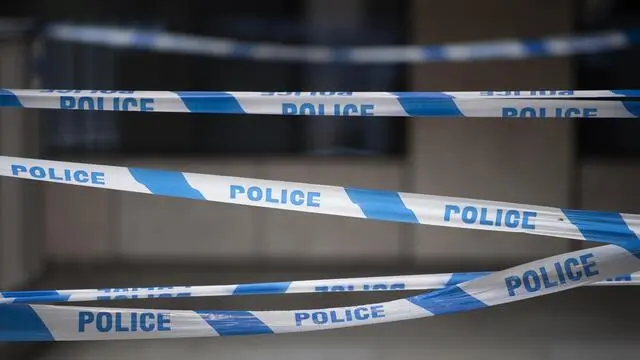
(129, 38)
(22, 322)
(505, 104)
(334, 200)
(46, 322)
(382, 283)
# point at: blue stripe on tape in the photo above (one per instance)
(265, 288)
(166, 183)
(20, 323)
(9, 99)
(381, 205)
(438, 104)
(601, 226)
(228, 323)
(143, 39)
(535, 48)
(210, 102)
(39, 296)
(459, 278)
(18, 294)
(632, 106)
(604, 227)
(448, 300)
(433, 53)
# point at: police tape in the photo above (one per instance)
(506, 104)
(25, 322)
(334, 200)
(510, 49)
(364, 284)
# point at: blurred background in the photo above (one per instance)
(59, 236)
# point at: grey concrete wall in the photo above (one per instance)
(528, 162)
(21, 208)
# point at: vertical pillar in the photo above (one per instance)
(529, 161)
(21, 216)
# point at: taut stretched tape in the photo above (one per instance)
(505, 104)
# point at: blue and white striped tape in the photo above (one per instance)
(510, 49)
(334, 200)
(25, 322)
(365, 284)
(506, 104)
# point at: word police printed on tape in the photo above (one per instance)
(535, 279)
(80, 176)
(104, 321)
(25, 322)
(385, 283)
(511, 218)
(607, 264)
(507, 104)
(339, 201)
(557, 273)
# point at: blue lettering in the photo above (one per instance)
(104, 321)
(319, 317)
(509, 112)
(236, 189)
(119, 325)
(589, 112)
(567, 269)
(52, 175)
(297, 197)
(308, 109)
(97, 177)
(144, 326)
(84, 318)
(340, 316)
(146, 104)
(37, 172)
(367, 109)
(17, 169)
(483, 217)
(525, 219)
(377, 311)
(448, 210)
(254, 193)
(512, 282)
(588, 265)
(124, 321)
(361, 313)
(536, 279)
(469, 214)
(546, 280)
(269, 198)
(313, 199)
(621, 278)
(546, 112)
(289, 109)
(511, 219)
(301, 316)
(67, 102)
(528, 277)
(281, 196)
(491, 217)
(86, 103)
(81, 176)
(129, 102)
(69, 175)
